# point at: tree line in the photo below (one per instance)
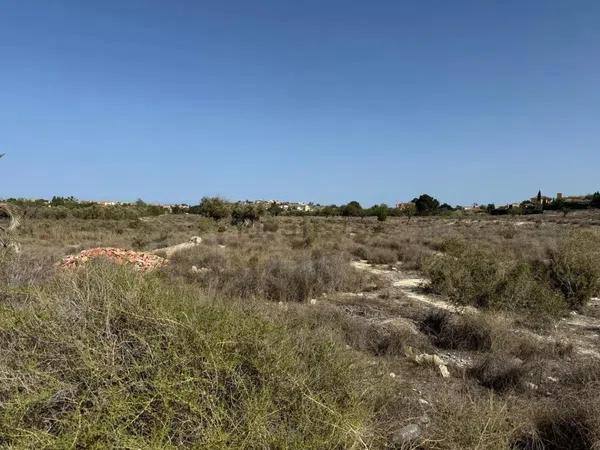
(244, 212)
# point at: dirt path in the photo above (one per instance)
(583, 332)
(409, 284)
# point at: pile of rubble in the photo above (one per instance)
(140, 260)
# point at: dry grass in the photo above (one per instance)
(109, 358)
(197, 359)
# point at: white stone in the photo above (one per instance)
(444, 371)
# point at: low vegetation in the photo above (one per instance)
(275, 333)
(109, 358)
(473, 274)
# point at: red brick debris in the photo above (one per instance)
(140, 260)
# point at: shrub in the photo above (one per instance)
(270, 227)
(575, 267)
(559, 430)
(467, 274)
(498, 372)
(352, 209)
(426, 204)
(360, 252)
(245, 215)
(467, 332)
(108, 358)
(274, 277)
(470, 274)
(214, 207)
(378, 340)
(381, 256)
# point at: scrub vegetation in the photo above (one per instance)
(304, 332)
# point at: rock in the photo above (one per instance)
(406, 435)
(437, 360)
(171, 250)
(444, 371)
(139, 260)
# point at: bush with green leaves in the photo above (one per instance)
(352, 209)
(470, 274)
(426, 204)
(575, 267)
(246, 214)
(214, 207)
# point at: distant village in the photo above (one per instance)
(423, 205)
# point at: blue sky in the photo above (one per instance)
(322, 100)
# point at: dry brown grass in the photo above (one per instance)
(294, 260)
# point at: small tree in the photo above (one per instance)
(214, 207)
(274, 209)
(426, 204)
(352, 209)
(246, 214)
(595, 203)
(381, 212)
(409, 210)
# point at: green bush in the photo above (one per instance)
(246, 215)
(575, 267)
(109, 358)
(467, 274)
(214, 207)
(470, 274)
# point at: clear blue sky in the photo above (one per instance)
(329, 101)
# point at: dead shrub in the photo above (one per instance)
(381, 256)
(468, 332)
(411, 255)
(558, 430)
(19, 273)
(498, 371)
(360, 252)
(380, 339)
(375, 255)
(583, 374)
(274, 277)
(375, 339)
(270, 227)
